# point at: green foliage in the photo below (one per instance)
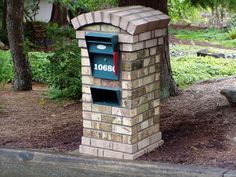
(39, 64)
(65, 73)
(6, 68)
(232, 33)
(214, 36)
(31, 9)
(88, 5)
(232, 23)
(179, 14)
(187, 70)
(60, 36)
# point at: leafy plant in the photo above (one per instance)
(65, 73)
(189, 69)
(232, 33)
(6, 67)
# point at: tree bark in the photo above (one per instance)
(59, 14)
(4, 15)
(168, 84)
(22, 73)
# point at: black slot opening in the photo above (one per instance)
(110, 97)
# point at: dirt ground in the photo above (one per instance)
(199, 126)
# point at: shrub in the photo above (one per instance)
(6, 67)
(232, 33)
(65, 73)
(232, 23)
(39, 64)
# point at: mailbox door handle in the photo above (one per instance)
(115, 62)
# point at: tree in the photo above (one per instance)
(218, 8)
(168, 85)
(22, 73)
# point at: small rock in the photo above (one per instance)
(230, 94)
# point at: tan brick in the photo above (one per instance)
(106, 17)
(96, 116)
(153, 51)
(82, 20)
(137, 26)
(116, 137)
(145, 36)
(85, 61)
(82, 43)
(143, 53)
(160, 32)
(129, 56)
(86, 115)
(143, 143)
(113, 154)
(111, 119)
(89, 18)
(88, 150)
(155, 138)
(87, 124)
(86, 141)
(75, 23)
(87, 80)
(101, 144)
(84, 52)
(121, 129)
(101, 108)
(126, 84)
(86, 97)
(86, 70)
(127, 139)
(160, 41)
(124, 112)
(157, 110)
(127, 38)
(126, 75)
(144, 125)
(97, 16)
(127, 121)
(127, 148)
(80, 34)
(157, 76)
(86, 89)
(110, 83)
(86, 106)
(151, 43)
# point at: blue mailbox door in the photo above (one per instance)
(103, 55)
(103, 67)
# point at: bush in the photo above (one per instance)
(232, 33)
(39, 64)
(232, 23)
(187, 70)
(6, 67)
(65, 73)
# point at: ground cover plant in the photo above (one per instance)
(220, 37)
(190, 69)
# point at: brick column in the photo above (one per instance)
(132, 129)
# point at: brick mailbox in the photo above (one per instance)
(121, 49)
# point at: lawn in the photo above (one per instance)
(214, 36)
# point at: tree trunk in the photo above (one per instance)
(59, 14)
(4, 15)
(22, 73)
(168, 85)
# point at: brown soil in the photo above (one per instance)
(30, 120)
(199, 126)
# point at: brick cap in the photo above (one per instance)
(132, 19)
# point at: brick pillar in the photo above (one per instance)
(133, 128)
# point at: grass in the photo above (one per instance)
(213, 36)
(190, 69)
